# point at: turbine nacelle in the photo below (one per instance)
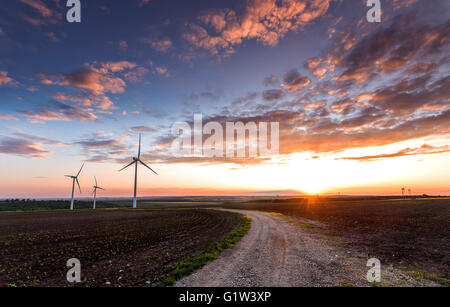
(96, 185)
(138, 159)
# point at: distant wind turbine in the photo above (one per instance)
(74, 178)
(135, 162)
(95, 191)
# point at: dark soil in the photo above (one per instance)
(115, 247)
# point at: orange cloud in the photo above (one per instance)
(319, 72)
(421, 67)
(163, 71)
(113, 66)
(265, 20)
(313, 63)
(60, 112)
(398, 4)
(425, 149)
(162, 45)
(7, 117)
(98, 79)
(293, 81)
(102, 102)
(4, 79)
(45, 15)
(393, 64)
(136, 75)
(94, 81)
(21, 147)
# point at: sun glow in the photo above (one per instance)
(312, 188)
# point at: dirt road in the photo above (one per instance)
(276, 252)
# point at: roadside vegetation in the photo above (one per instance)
(192, 264)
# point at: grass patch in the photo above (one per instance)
(384, 284)
(347, 284)
(422, 274)
(277, 214)
(190, 265)
(306, 225)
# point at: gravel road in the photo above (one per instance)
(274, 253)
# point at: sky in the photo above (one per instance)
(363, 107)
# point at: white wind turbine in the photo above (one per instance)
(135, 161)
(95, 191)
(74, 178)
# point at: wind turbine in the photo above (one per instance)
(95, 191)
(135, 162)
(74, 178)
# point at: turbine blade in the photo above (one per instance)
(139, 150)
(101, 188)
(78, 184)
(95, 181)
(68, 176)
(127, 166)
(80, 169)
(148, 167)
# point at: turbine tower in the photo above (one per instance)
(135, 162)
(74, 178)
(95, 191)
